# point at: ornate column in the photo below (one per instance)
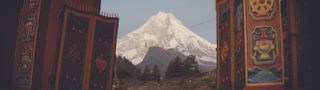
(263, 45)
(26, 45)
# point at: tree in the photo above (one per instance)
(191, 65)
(125, 69)
(146, 75)
(177, 68)
(146, 70)
(156, 73)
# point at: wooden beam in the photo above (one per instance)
(292, 27)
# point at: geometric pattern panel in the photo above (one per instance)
(102, 55)
(74, 52)
(87, 51)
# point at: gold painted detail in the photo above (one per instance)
(224, 52)
(263, 45)
(261, 9)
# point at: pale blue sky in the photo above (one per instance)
(134, 13)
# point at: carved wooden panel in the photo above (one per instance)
(264, 46)
(87, 51)
(26, 44)
(224, 42)
(102, 54)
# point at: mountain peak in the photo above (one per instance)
(164, 18)
(165, 14)
(166, 31)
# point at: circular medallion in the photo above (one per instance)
(101, 63)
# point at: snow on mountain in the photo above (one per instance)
(166, 31)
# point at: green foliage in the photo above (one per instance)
(153, 75)
(156, 73)
(178, 68)
(191, 65)
(125, 69)
(146, 75)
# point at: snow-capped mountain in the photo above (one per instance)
(166, 31)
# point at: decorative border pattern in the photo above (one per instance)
(96, 63)
(102, 54)
(74, 51)
(26, 43)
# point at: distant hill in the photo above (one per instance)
(160, 57)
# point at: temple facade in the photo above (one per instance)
(63, 45)
(261, 45)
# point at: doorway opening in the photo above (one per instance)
(165, 44)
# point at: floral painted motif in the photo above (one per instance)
(28, 31)
(26, 43)
(101, 63)
(263, 45)
(261, 9)
(24, 66)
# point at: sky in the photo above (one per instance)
(198, 15)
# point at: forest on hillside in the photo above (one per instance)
(180, 74)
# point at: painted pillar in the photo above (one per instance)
(231, 53)
(238, 55)
(224, 45)
(264, 61)
(26, 45)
